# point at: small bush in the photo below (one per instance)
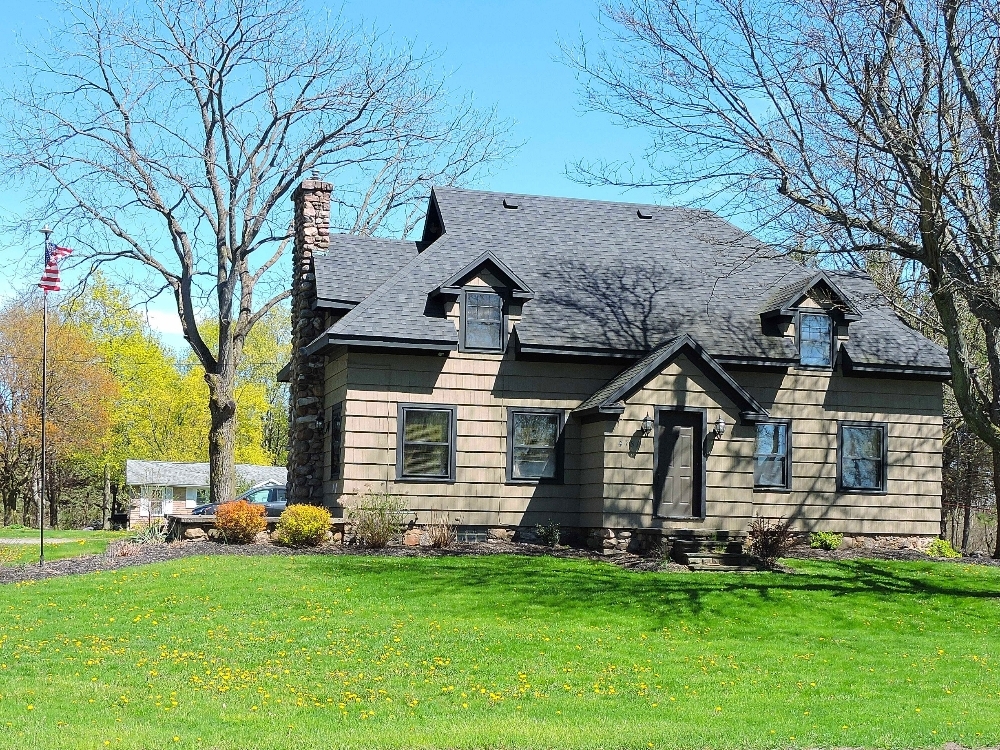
(548, 533)
(154, 532)
(377, 518)
(942, 548)
(769, 540)
(303, 525)
(827, 540)
(440, 531)
(239, 521)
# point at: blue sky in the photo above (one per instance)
(504, 53)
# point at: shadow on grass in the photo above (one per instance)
(520, 584)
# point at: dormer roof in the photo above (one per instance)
(786, 299)
(517, 288)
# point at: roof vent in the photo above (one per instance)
(644, 214)
(509, 203)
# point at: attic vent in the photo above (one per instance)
(643, 214)
(509, 203)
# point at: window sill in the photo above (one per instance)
(775, 490)
(861, 491)
(534, 481)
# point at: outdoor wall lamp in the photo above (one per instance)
(647, 425)
(720, 427)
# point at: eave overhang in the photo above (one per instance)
(896, 371)
(329, 341)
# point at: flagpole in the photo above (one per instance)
(45, 336)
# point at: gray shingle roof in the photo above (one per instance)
(355, 266)
(605, 279)
(178, 474)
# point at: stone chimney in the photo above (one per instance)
(306, 374)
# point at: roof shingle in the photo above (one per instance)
(605, 279)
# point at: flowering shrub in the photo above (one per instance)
(942, 548)
(828, 540)
(303, 525)
(240, 521)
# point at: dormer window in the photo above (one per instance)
(815, 340)
(482, 321)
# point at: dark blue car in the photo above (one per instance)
(271, 496)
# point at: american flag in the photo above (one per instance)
(50, 276)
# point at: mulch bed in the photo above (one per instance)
(154, 553)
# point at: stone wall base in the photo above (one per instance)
(610, 541)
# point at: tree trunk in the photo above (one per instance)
(222, 436)
(966, 517)
(52, 490)
(996, 497)
(106, 500)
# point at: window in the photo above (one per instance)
(426, 443)
(482, 318)
(862, 457)
(260, 496)
(195, 496)
(815, 340)
(336, 439)
(772, 456)
(533, 440)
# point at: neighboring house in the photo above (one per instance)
(609, 367)
(160, 488)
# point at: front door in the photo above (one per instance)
(677, 474)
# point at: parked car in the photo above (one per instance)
(271, 496)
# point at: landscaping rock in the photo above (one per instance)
(262, 538)
(412, 538)
(504, 535)
(215, 535)
(195, 535)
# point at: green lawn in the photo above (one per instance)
(502, 652)
(73, 543)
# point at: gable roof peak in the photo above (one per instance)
(453, 284)
(784, 300)
(609, 398)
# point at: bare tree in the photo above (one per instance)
(853, 127)
(171, 134)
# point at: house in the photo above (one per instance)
(622, 370)
(159, 488)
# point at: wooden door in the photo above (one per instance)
(677, 476)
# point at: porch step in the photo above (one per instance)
(706, 546)
(716, 561)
